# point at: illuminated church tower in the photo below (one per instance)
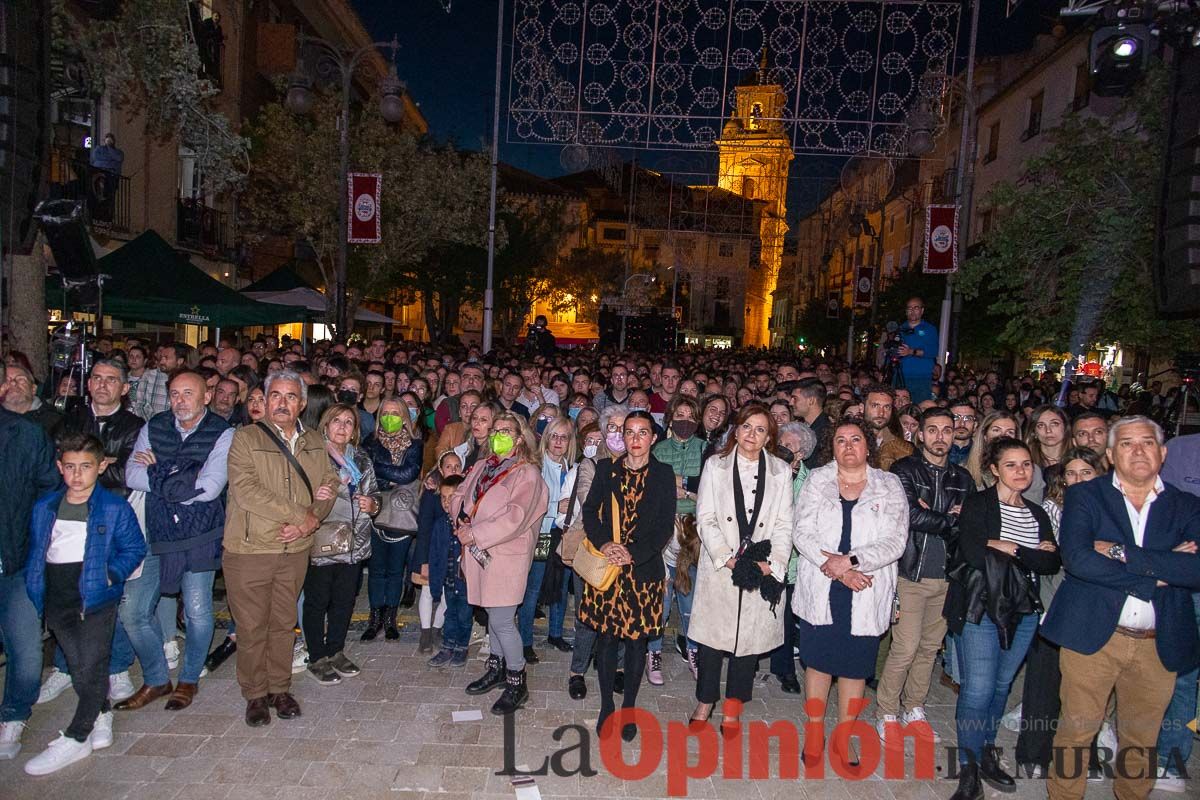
(755, 154)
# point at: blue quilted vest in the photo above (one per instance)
(172, 527)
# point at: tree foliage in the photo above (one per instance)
(1068, 262)
(146, 58)
(434, 198)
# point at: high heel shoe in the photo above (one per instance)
(693, 720)
(728, 726)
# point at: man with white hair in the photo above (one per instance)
(281, 485)
(1123, 615)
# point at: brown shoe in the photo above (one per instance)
(181, 698)
(144, 696)
(258, 713)
(284, 704)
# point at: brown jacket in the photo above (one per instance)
(892, 449)
(265, 493)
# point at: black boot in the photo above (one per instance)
(493, 677)
(969, 787)
(221, 654)
(409, 597)
(374, 625)
(389, 623)
(993, 774)
(515, 693)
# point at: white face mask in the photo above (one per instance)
(589, 451)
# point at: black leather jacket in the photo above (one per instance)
(941, 488)
(118, 435)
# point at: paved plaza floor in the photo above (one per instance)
(390, 733)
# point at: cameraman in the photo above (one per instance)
(540, 341)
(919, 350)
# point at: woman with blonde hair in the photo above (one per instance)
(995, 425)
(497, 512)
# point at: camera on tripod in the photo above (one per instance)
(892, 344)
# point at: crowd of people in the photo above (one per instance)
(796, 514)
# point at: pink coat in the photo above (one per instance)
(506, 524)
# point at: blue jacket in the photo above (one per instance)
(1085, 610)
(444, 552)
(113, 550)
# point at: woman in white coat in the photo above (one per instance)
(744, 497)
(850, 530)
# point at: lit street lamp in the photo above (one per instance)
(646, 278)
(299, 100)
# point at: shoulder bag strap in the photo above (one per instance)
(574, 495)
(283, 448)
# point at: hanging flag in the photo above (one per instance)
(362, 223)
(941, 239)
(833, 304)
(864, 285)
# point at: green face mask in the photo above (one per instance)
(502, 443)
(391, 423)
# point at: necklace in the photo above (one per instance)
(848, 484)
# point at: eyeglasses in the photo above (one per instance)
(560, 437)
(965, 418)
(614, 428)
(914, 308)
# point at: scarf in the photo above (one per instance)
(347, 470)
(395, 443)
(493, 469)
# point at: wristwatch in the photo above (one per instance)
(854, 560)
(1117, 552)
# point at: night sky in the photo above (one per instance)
(448, 61)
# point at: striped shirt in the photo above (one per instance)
(1017, 524)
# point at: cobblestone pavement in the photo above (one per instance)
(388, 733)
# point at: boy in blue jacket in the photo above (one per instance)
(447, 584)
(84, 542)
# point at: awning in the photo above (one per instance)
(149, 281)
(314, 302)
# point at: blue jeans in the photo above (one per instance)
(987, 676)
(456, 628)
(196, 594)
(670, 597)
(21, 632)
(525, 613)
(136, 619)
(1175, 735)
(385, 571)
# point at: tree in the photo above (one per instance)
(146, 58)
(584, 273)
(1069, 261)
(434, 198)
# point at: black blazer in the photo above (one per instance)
(973, 564)
(656, 516)
(1088, 604)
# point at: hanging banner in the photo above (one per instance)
(362, 223)
(941, 239)
(864, 285)
(833, 304)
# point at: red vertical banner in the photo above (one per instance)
(362, 223)
(864, 285)
(941, 239)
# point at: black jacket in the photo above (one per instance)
(27, 472)
(986, 581)
(941, 488)
(118, 435)
(656, 516)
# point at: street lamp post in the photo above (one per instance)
(648, 278)
(344, 62)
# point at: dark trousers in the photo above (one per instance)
(86, 642)
(1041, 706)
(385, 571)
(606, 669)
(783, 658)
(328, 604)
(739, 682)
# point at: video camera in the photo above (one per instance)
(892, 344)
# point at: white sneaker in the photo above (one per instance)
(101, 736)
(299, 657)
(881, 725)
(1012, 720)
(60, 753)
(171, 651)
(917, 714)
(10, 738)
(120, 687)
(53, 685)
(1107, 738)
(1170, 781)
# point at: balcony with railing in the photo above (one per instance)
(103, 195)
(201, 228)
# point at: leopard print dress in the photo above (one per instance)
(630, 608)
